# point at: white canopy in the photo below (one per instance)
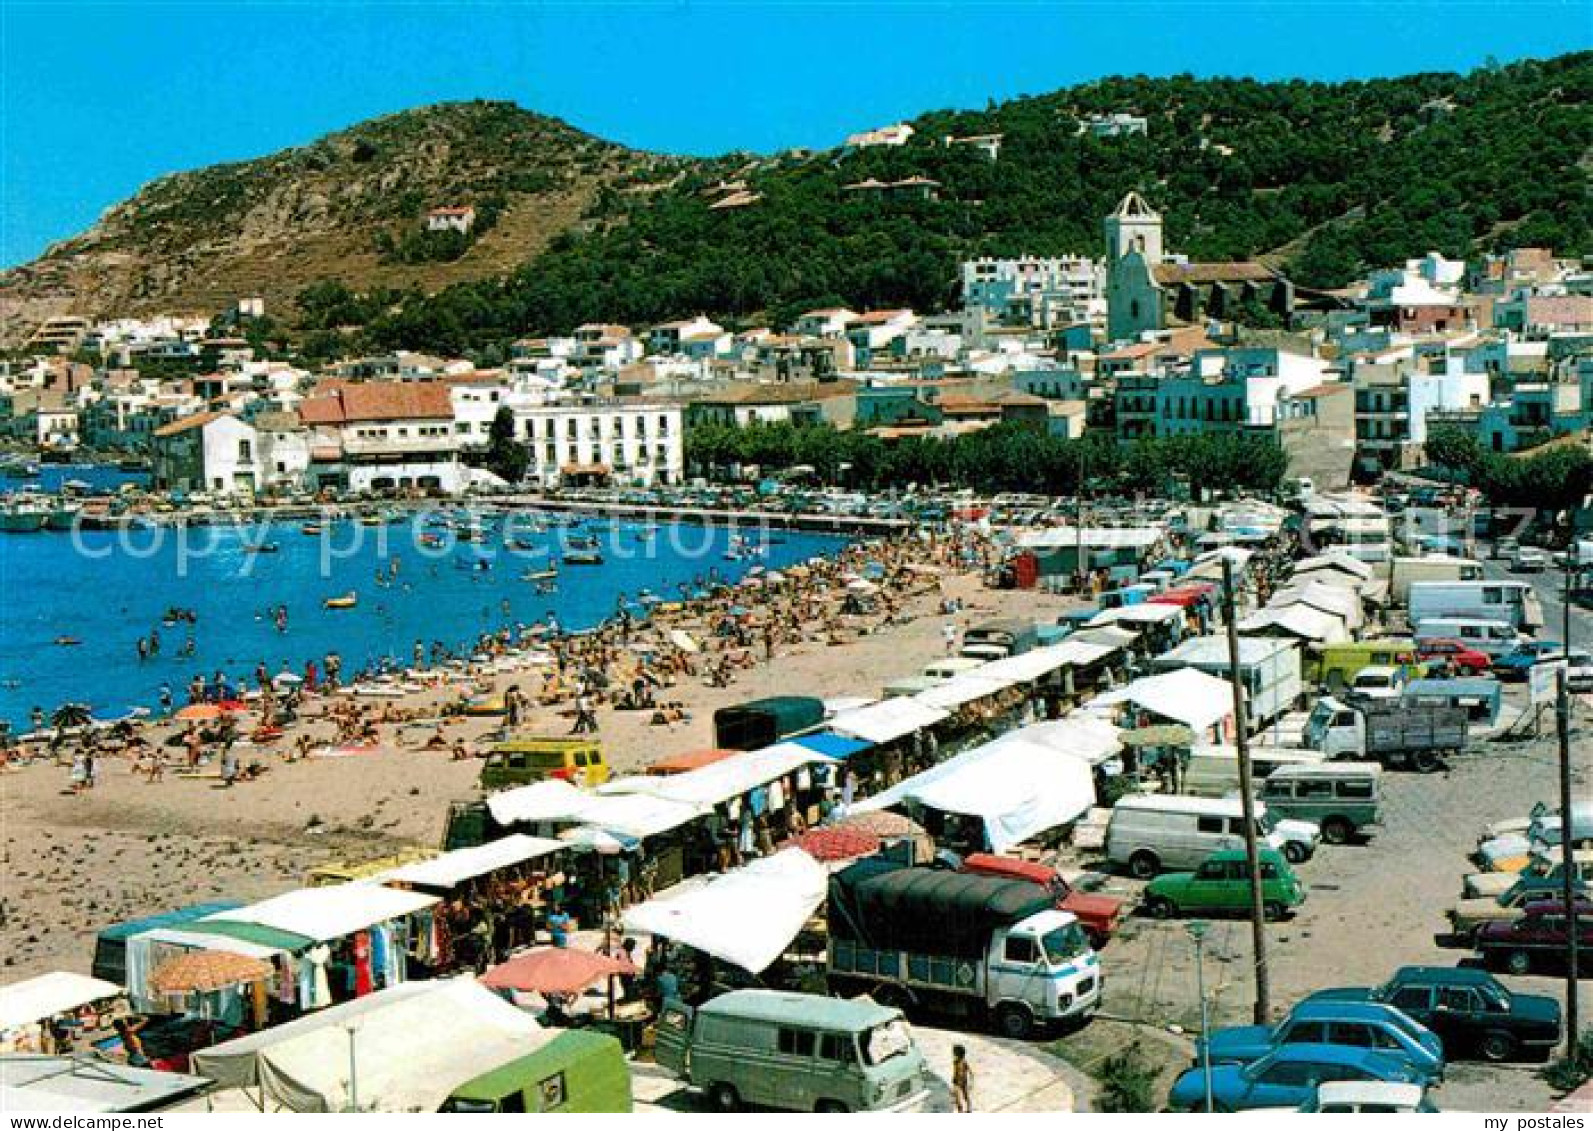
(888, 719)
(1147, 613)
(1104, 641)
(1016, 787)
(1208, 566)
(550, 800)
(961, 689)
(410, 1046)
(1089, 737)
(1026, 667)
(327, 913)
(1334, 561)
(1186, 695)
(46, 996)
(453, 868)
(719, 781)
(746, 917)
(1335, 599)
(1092, 538)
(1302, 620)
(637, 814)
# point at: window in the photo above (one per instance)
(1493, 596)
(512, 1104)
(1211, 870)
(1314, 789)
(796, 1042)
(1356, 790)
(1209, 824)
(1458, 998)
(245, 450)
(1304, 1033)
(1020, 950)
(1291, 1075)
(1345, 1033)
(550, 1093)
(835, 1047)
(1411, 997)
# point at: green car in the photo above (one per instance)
(1222, 884)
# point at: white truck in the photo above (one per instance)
(969, 946)
(1394, 735)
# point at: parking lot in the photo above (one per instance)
(1372, 907)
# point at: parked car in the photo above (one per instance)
(1099, 915)
(1355, 1097)
(1462, 657)
(1544, 864)
(1468, 915)
(1526, 560)
(1538, 939)
(1378, 682)
(1359, 1024)
(1469, 1010)
(1515, 665)
(1222, 884)
(1286, 1078)
(1578, 670)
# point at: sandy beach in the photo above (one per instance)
(130, 847)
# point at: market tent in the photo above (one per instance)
(1186, 696)
(1334, 561)
(453, 868)
(887, 720)
(43, 997)
(732, 777)
(326, 913)
(831, 745)
(1300, 621)
(147, 948)
(1026, 667)
(409, 1046)
(1137, 614)
(83, 1086)
(1108, 640)
(689, 760)
(1018, 788)
(637, 814)
(1095, 740)
(746, 917)
(961, 689)
(1335, 599)
(551, 800)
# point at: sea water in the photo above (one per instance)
(106, 589)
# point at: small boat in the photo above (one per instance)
(346, 601)
(311, 528)
(62, 517)
(582, 543)
(373, 520)
(540, 575)
(583, 557)
(519, 544)
(23, 518)
(262, 548)
(67, 641)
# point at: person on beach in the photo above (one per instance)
(585, 716)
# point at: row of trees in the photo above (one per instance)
(1006, 457)
(1559, 478)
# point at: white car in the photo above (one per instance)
(1527, 560)
(1578, 672)
(1347, 1097)
(1380, 681)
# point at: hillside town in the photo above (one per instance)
(1139, 342)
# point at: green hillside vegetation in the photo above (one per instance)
(1345, 177)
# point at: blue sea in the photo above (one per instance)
(108, 589)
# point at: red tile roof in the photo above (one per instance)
(197, 420)
(339, 403)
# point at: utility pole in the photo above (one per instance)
(1197, 931)
(1567, 867)
(1247, 800)
(1078, 524)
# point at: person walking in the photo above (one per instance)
(961, 1080)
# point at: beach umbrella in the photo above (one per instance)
(286, 678)
(205, 971)
(198, 712)
(774, 577)
(555, 970)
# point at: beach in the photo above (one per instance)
(129, 847)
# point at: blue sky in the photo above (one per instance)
(97, 99)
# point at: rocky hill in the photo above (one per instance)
(1328, 179)
(339, 208)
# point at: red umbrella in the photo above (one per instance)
(555, 970)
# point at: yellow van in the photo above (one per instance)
(346, 872)
(523, 761)
(1334, 665)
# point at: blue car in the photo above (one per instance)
(1354, 1024)
(1517, 664)
(1286, 1078)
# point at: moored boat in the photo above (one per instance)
(23, 518)
(583, 557)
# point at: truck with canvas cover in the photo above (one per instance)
(764, 722)
(966, 945)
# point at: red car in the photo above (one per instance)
(1464, 658)
(1097, 914)
(1538, 939)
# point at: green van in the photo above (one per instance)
(578, 1070)
(797, 1052)
(1222, 885)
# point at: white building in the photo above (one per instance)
(895, 135)
(208, 451)
(626, 442)
(451, 219)
(828, 323)
(1035, 291)
(1114, 125)
(384, 436)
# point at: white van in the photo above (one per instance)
(951, 667)
(1495, 638)
(1152, 832)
